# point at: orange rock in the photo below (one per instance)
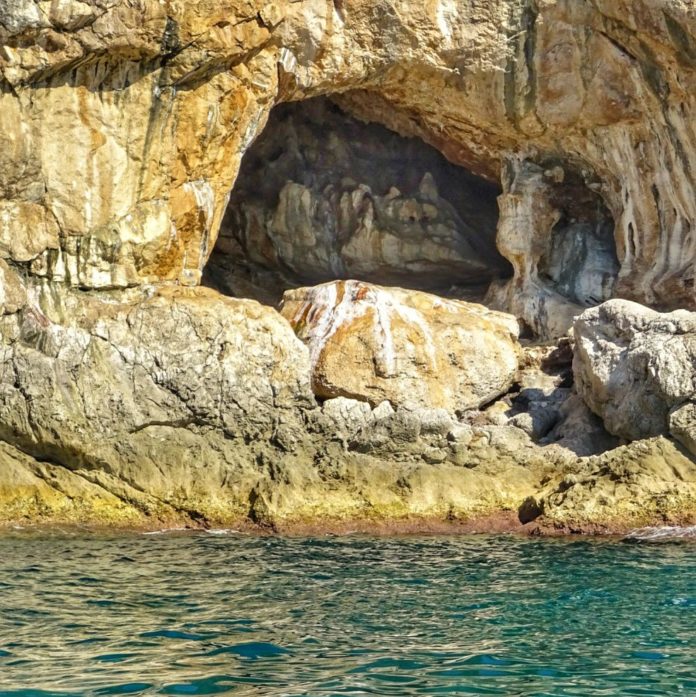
(411, 348)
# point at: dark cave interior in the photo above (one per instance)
(323, 196)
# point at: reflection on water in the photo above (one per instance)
(183, 614)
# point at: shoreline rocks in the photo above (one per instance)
(128, 393)
(180, 406)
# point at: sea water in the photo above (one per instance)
(201, 614)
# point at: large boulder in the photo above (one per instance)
(411, 348)
(75, 366)
(633, 366)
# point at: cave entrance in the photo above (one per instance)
(580, 262)
(322, 196)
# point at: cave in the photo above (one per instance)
(580, 261)
(322, 195)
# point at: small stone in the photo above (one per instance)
(383, 410)
(682, 425)
(461, 434)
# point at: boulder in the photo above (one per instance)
(411, 348)
(633, 366)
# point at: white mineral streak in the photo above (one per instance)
(326, 313)
(446, 12)
(323, 320)
(287, 59)
(205, 199)
(383, 307)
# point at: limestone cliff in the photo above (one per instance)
(123, 124)
(127, 391)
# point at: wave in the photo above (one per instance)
(165, 531)
(663, 532)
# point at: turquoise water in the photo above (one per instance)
(241, 615)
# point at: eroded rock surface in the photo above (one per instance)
(630, 487)
(174, 405)
(633, 366)
(410, 348)
(178, 406)
(171, 405)
(558, 235)
(154, 393)
(123, 125)
(122, 129)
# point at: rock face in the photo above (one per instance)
(628, 488)
(159, 101)
(407, 347)
(558, 234)
(128, 394)
(164, 359)
(323, 196)
(633, 366)
(171, 406)
(153, 392)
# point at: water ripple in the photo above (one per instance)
(232, 614)
(664, 532)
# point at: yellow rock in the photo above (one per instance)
(141, 112)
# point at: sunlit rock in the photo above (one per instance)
(411, 348)
(634, 365)
(118, 122)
